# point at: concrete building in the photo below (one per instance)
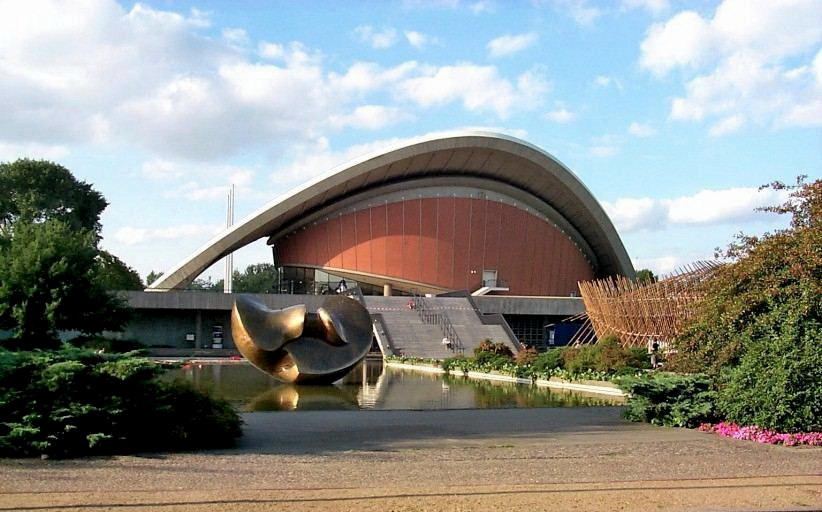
(481, 213)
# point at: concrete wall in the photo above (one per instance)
(543, 306)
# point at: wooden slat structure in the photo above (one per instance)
(638, 313)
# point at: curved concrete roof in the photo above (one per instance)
(491, 157)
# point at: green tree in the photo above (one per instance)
(34, 191)
(114, 274)
(258, 278)
(771, 287)
(758, 331)
(48, 283)
(645, 276)
(153, 276)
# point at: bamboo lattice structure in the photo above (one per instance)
(638, 313)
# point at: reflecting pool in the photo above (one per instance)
(371, 385)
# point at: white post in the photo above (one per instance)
(229, 259)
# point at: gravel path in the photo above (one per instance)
(514, 459)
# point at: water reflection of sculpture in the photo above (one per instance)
(296, 346)
(288, 397)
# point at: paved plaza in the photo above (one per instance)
(513, 459)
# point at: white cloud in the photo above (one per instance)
(236, 37)
(483, 6)
(370, 117)
(714, 206)
(479, 88)
(665, 265)
(727, 125)
(379, 39)
(181, 93)
(419, 40)
(607, 81)
(10, 151)
(177, 92)
(198, 181)
(641, 129)
(654, 6)
(703, 208)
(130, 235)
(580, 10)
(364, 77)
(315, 159)
(603, 146)
(560, 115)
(681, 41)
(741, 64)
(509, 44)
(603, 150)
(159, 169)
(633, 214)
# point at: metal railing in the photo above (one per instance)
(431, 317)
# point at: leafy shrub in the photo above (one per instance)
(757, 332)
(639, 358)
(74, 402)
(492, 359)
(669, 399)
(611, 355)
(547, 361)
(526, 356)
(488, 346)
(577, 360)
(485, 345)
(777, 383)
(770, 280)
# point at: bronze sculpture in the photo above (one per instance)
(296, 346)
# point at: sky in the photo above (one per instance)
(671, 113)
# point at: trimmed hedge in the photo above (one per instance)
(669, 399)
(75, 402)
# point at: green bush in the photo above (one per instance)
(526, 356)
(669, 399)
(487, 346)
(582, 359)
(777, 384)
(758, 330)
(639, 358)
(611, 356)
(547, 361)
(492, 359)
(74, 402)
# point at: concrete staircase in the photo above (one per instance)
(410, 336)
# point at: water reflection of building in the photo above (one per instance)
(372, 386)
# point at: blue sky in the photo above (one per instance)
(672, 113)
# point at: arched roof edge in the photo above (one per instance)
(254, 226)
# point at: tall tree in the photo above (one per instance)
(153, 276)
(48, 283)
(645, 276)
(114, 274)
(34, 191)
(258, 278)
(759, 327)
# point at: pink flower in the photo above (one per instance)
(761, 435)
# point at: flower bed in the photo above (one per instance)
(761, 435)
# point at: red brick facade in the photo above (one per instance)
(445, 242)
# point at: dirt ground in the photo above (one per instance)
(576, 459)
